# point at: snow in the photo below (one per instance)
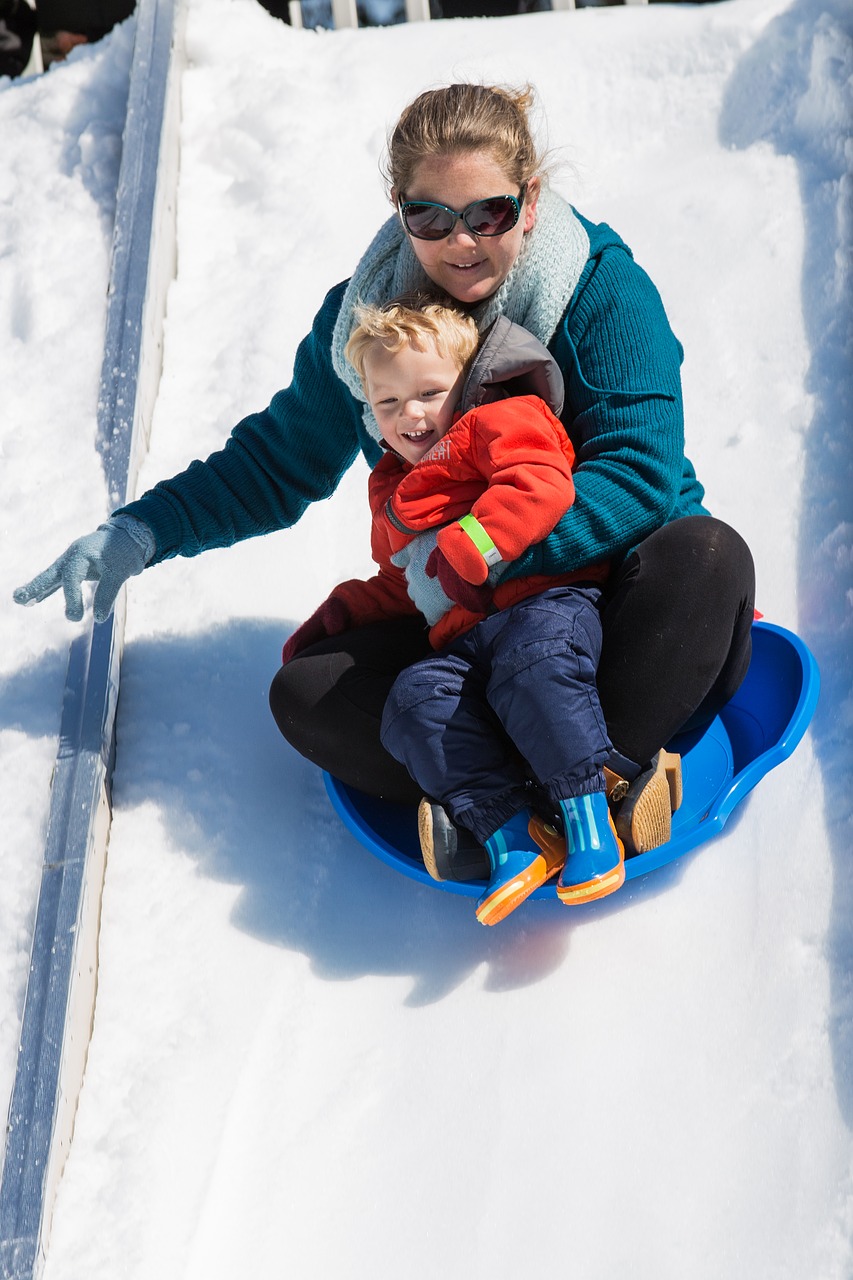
(303, 1063)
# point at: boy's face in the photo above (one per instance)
(413, 395)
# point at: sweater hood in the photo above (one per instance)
(511, 362)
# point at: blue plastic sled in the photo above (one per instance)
(757, 730)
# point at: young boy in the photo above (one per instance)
(502, 725)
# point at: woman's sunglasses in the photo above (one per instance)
(426, 220)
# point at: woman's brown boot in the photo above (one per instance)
(643, 808)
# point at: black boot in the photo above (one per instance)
(449, 852)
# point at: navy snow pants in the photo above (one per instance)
(677, 620)
(511, 702)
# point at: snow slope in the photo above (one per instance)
(302, 1063)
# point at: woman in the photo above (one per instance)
(474, 217)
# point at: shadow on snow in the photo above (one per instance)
(194, 720)
(196, 738)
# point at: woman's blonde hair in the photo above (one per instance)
(414, 322)
(468, 118)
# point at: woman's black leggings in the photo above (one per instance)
(676, 619)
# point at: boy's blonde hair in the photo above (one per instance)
(413, 322)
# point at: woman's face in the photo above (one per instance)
(468, 267)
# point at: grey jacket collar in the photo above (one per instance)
(511, 362)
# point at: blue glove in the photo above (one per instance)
(425, 593)
(115, 552)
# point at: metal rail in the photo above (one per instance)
(60, 998)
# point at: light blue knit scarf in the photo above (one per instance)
(535, 293)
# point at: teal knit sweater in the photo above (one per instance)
(621, 363)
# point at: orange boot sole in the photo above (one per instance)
(510, 895)
(601, 886)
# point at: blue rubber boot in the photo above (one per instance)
(595, 857)
(519, 865)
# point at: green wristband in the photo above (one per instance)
(481, 540)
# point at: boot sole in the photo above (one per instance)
(644, 819)
(443, 862)
(504, 900)
(426, 835)
(593, 889)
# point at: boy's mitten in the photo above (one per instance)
(331, 619)
(460, 549)
(116, 551)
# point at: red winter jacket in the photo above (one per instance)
(509, 464)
